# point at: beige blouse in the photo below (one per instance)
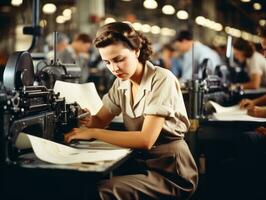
(159, 94)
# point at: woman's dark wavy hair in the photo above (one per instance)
(244, 46)
(116, 32)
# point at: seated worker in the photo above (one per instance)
(169, 61)
(154, 114)
(253, 144)
(184, 44)
(255, 64)
(77, 52)
(252, 105)
(61, 44)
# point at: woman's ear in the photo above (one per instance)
(137, 53)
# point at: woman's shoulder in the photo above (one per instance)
(163, 73)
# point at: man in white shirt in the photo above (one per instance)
(187, 47)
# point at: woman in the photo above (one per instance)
(254, 62)
(154, 114)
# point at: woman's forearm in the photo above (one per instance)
(127, 139)
(261, 101)
(250, 85)
(96, 122)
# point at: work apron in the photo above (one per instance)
(172, 160)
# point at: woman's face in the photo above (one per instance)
(239, 56)
(121, 61)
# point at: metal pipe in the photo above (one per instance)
(35, 22)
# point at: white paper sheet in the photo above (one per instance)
(232, 113)
(84, 94)
(55, 153)
(97, 144)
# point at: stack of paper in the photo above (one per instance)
(233, 113)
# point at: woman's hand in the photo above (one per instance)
(86, 120)
(261, 130)
(246, 103)
(79, 133)
(256, 111)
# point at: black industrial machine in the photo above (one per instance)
(34, 109)
(47, 72)
(206, 86)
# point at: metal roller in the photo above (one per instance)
(19, 71)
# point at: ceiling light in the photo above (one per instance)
(109, 20)
(155, 29)
(182, 14)
(218, 27)
(137, 26)
(126, 0)
(168, 31)
(233, 31)
(67, 12)
(60, 19)
(245, 1)
(246, 36)
(43, 23)
(49, 8)
(168, 9)
(257, 6)
(146, 28)
(256, 39)
(16, 2)
(200, 20)
(150, 4)
(66, 18)
(262, 22)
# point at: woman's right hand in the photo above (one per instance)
(246, 103)
(86, 120)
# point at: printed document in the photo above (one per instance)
(56, 153)
(85, 95)
(232, 113)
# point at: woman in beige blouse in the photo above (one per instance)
(154, 114)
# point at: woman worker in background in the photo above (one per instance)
(154, 114)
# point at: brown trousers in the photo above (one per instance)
(168, 171)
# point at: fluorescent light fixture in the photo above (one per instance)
(245, 1)
(262, 22)
(49, 8)
(168, 31)
(109, 20)
(146, 28)
(233, 31)
(200, 20)
(60, 19)
(43, 23)
(16, 2)
(246, 36)
(137, 26)
(155, 29)
(257, 6)
(150, 4)
(67, 12)
(256, 39)
(168, 9)
(182, 14)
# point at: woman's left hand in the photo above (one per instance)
(257, 111)
(79, 133)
